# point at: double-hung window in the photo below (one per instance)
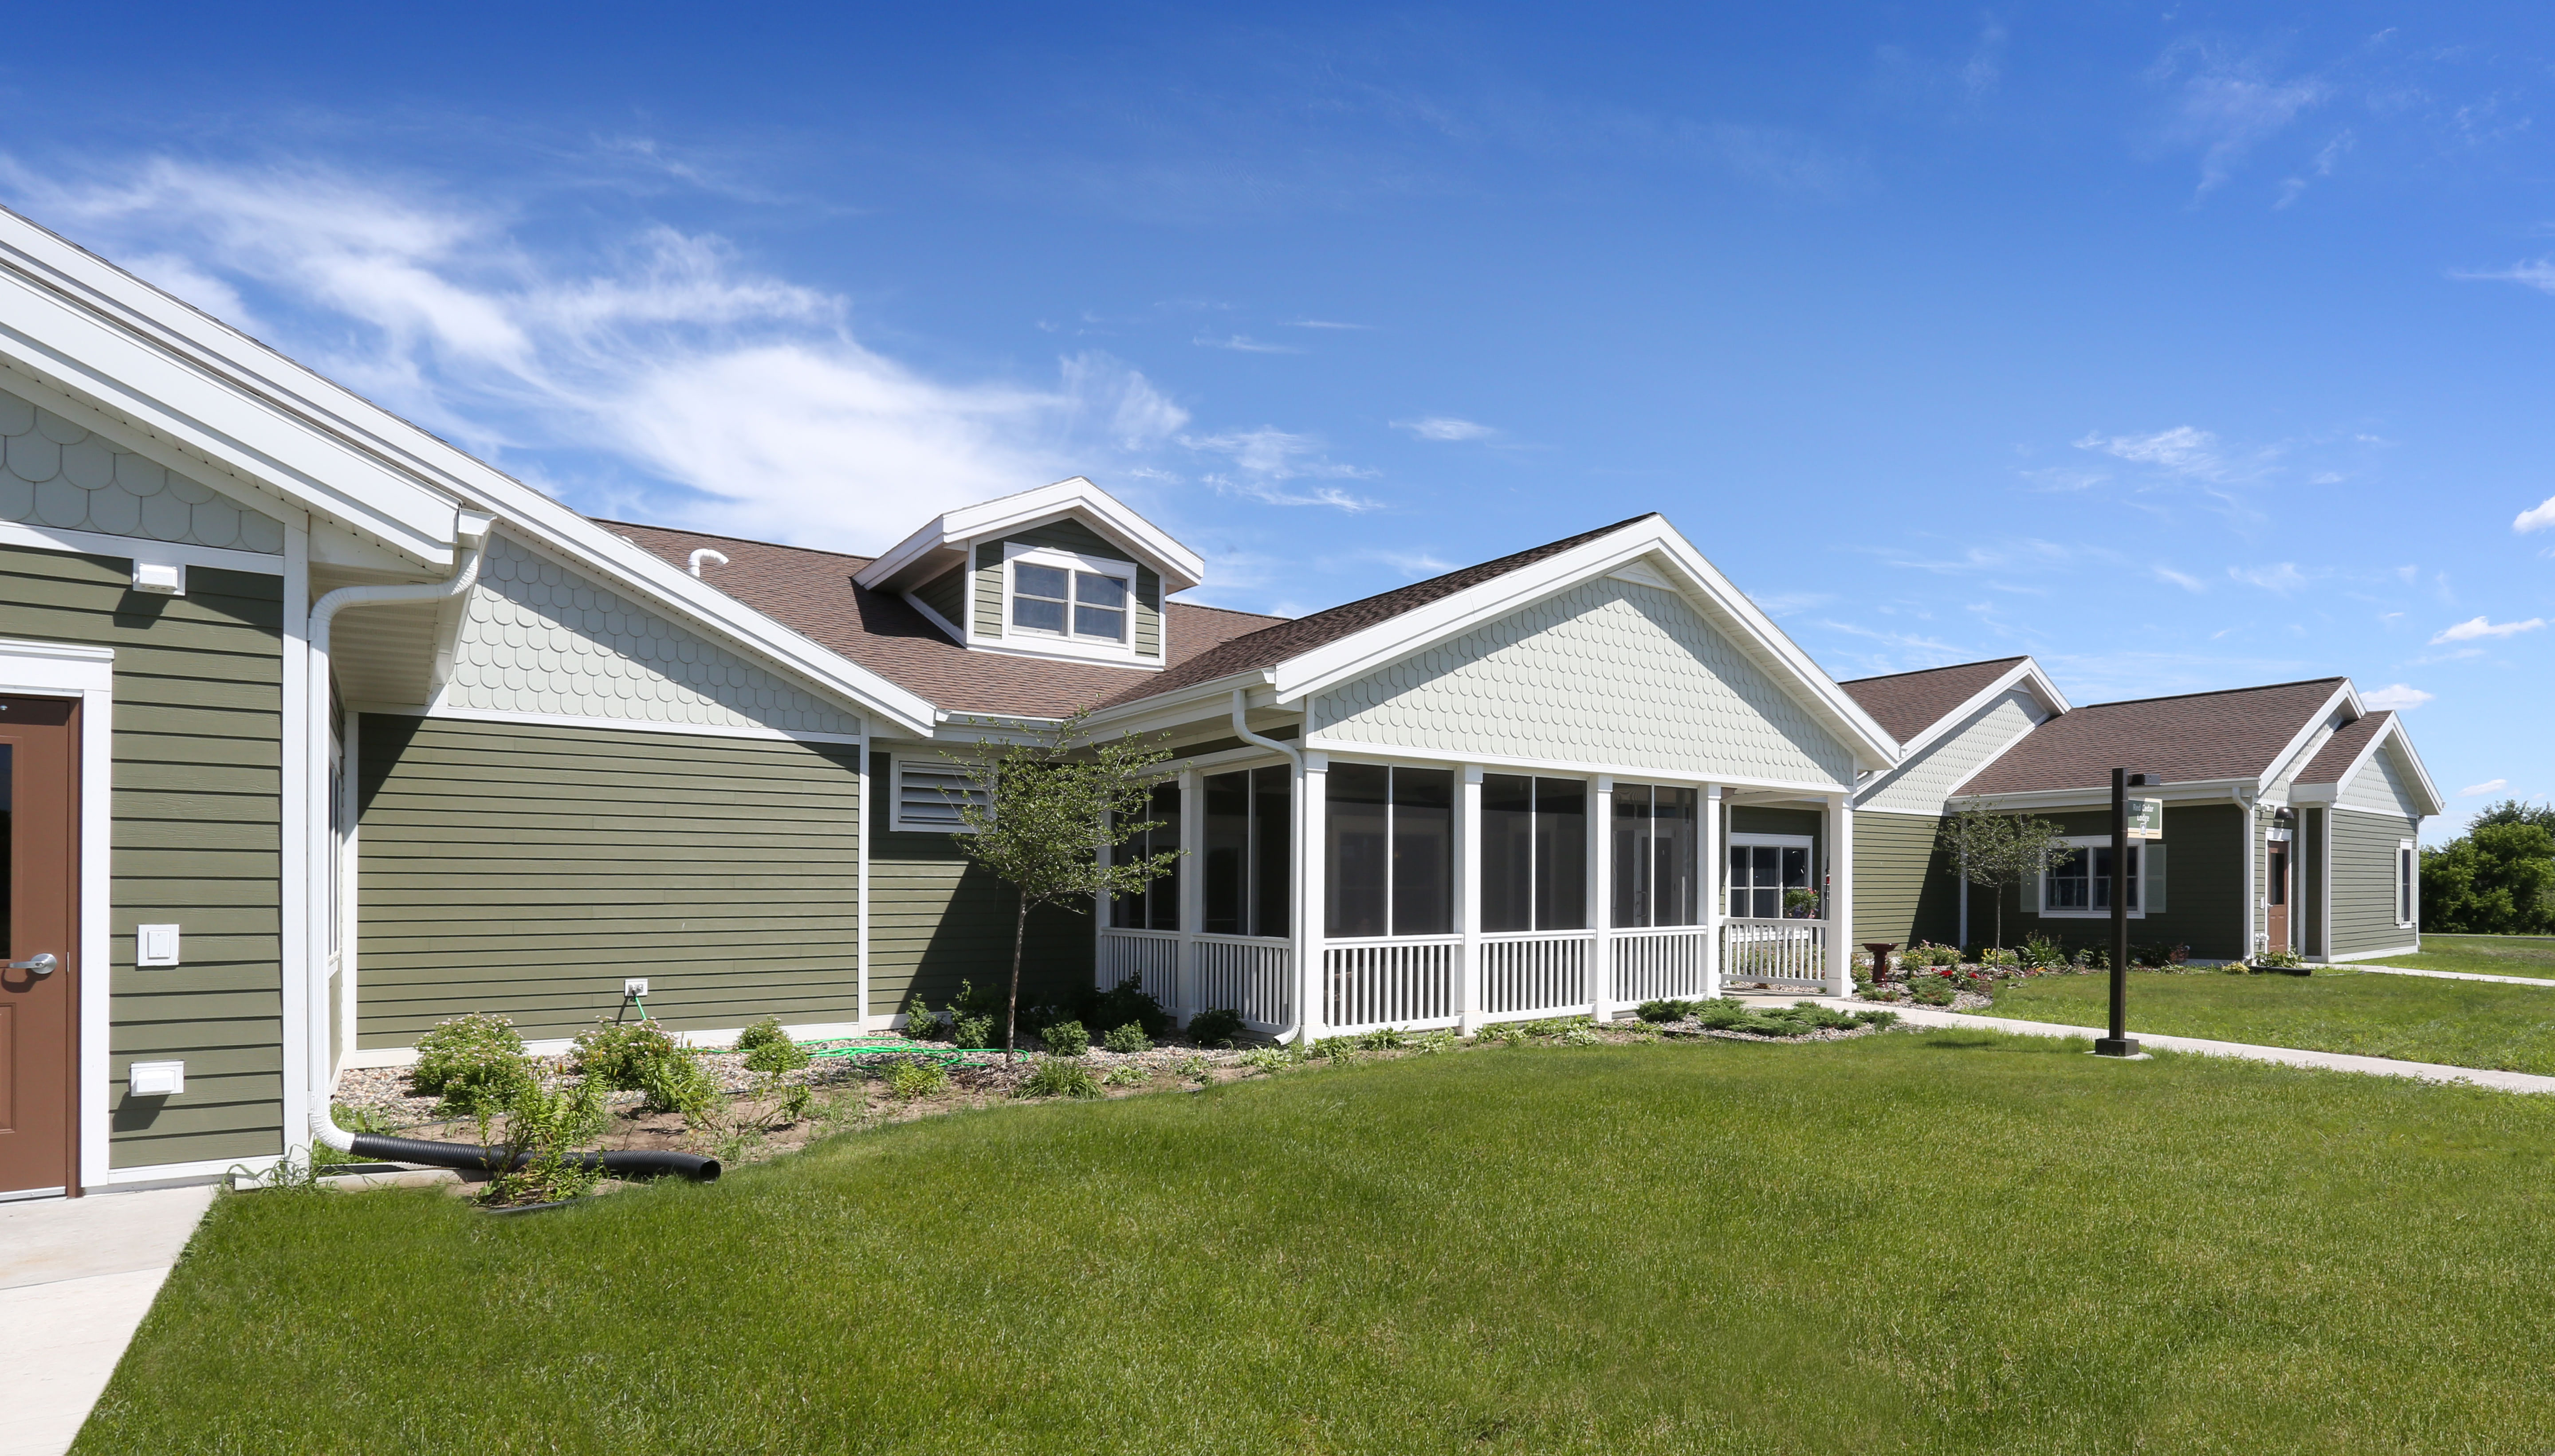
(1389, 851)
(2077, 879)
(1534, 853)
(1770, 876)
(2408, 864)
(1071, 598)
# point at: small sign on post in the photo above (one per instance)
(2146, 818)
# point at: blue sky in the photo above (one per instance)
(2182, 346)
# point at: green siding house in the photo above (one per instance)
(2292, 812)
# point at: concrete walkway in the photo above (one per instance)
(76, 1275)
(2383, 1066)
(2548, 982)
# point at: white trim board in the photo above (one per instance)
(1374, 753)
(139, 548)
(631, 725)
(719, 1038)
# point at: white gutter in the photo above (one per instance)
(470, 536)
(1306, 981)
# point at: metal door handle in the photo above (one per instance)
(42, 965)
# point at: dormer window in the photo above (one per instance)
(1047, 597)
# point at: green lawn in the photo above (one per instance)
(1948, 1241)
(2493, 955)
(2468, 1023)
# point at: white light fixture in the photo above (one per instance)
(160, 578)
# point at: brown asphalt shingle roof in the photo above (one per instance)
(812, 593)
(1908, 703)
(2197, 736)
(2338, 752)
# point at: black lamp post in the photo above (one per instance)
(2119, 1042)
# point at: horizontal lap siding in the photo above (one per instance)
(525, 870)
(198, 812)
(935, 921)
(1904, 887)
(2363, 882)
(2204, 888)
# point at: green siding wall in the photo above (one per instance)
(524, 870)
(2363, 882)
(1064, 535)
(948, 595)
(198, 810)
(2309, 910)
(935, 921)
(2204, 888)
(1904, 886)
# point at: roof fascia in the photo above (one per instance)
(2344, 697)
(1181, 567)
(2026, 672)
(2391, 732)
(1386, 642)
(1212, 698)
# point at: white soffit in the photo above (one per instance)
(1180, 567)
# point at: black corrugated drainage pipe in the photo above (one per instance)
(633, 1164)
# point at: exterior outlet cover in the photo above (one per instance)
(635, 986)
(162, 579)
(158, 1078)
(154, 945)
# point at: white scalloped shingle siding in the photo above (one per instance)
(62, 476)
(1919, 786)
(2383, 786)
(1609, 672)
(537, 638)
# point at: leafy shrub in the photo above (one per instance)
(765, 1032)
(1126, 1001)
(1721, 1013)
(1385, 1038)
(1665, 1011)
(1931, 991)
(1267, 1058)
(474, 1062)
(1336, 1048)
(679, 1084)
(1889, 992)
(1128, 1040)
(972, 1031)
(921, 1022)
(1499, 1032)
(2283, 962)
(1059, 1078)
(617, 1054)
(1066, 1038)
(1876, 1018)
(1996, 957)
(546, 1130)
(1582, 1035)
(1197, 1070)
(917, 1076)
(1218, 1027)
(767, 1049)
(2043, 951)
(1126, 1076)
(1436, 1041)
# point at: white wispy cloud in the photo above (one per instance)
(2182, 579)
(2227, 105)
(2535, 518)
(1324, 323)
(2475, 629)
(2182, 450)
(1243, 344)
(2538, 273)
(1445, 427)
(2489, 785)
(2283, 577)
(2398, 696)
(1263, 461)
(668, 351)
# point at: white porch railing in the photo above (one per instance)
(1774, 952)
(1540, 974)
(1407, 981)
(1152, 955)
(1248, 974)
(1665, 963)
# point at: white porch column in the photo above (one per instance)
(1312, 793)
(1601, 900)
(1192, 910)
(1716, 894)
(1840, 906)
(1467, 895)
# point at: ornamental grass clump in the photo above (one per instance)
(476, 1064)
(1057, 1077)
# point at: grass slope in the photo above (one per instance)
(1949, 1241)
(2493, 955)
(2468, 1023)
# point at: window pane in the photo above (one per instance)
(1356, 849)
(1091, 589)
(1029, 580)
(1739, 881)
(1507, 860)
(1632, 855)
(2099, 876)
(1228, 853)
(1040, 616)
(1560, 854)
(1093, 622)
(1423, 851)
(1273, 850)
(1676, 899)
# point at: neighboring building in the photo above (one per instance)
(319, 731)
(2292, 813)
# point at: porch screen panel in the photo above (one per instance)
(1560, 854)
(1272, 846)
(1247, 852)
(1423, 851)
(1632, 854)
(1658, 867)
(1157, 906)
(1534, 853)
(1357, 856)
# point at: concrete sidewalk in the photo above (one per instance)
(2547, 982)
(2383, 1066)
(76, 1275)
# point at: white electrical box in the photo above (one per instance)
(158, 1078)
(634, 987)
(154, 945)
(160, 579)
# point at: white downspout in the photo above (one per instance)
(470, 532)
(1303, 822)
(2245, 816)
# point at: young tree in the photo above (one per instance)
(1045, 810)
(1998, 850)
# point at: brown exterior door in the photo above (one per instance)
(40, 836)
(2276, 899)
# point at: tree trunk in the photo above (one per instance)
(1012, 1012)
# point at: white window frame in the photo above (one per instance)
(2408, 884)
(1728, 842)
(2040, 882)
(1067, 642)
(897, 820)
